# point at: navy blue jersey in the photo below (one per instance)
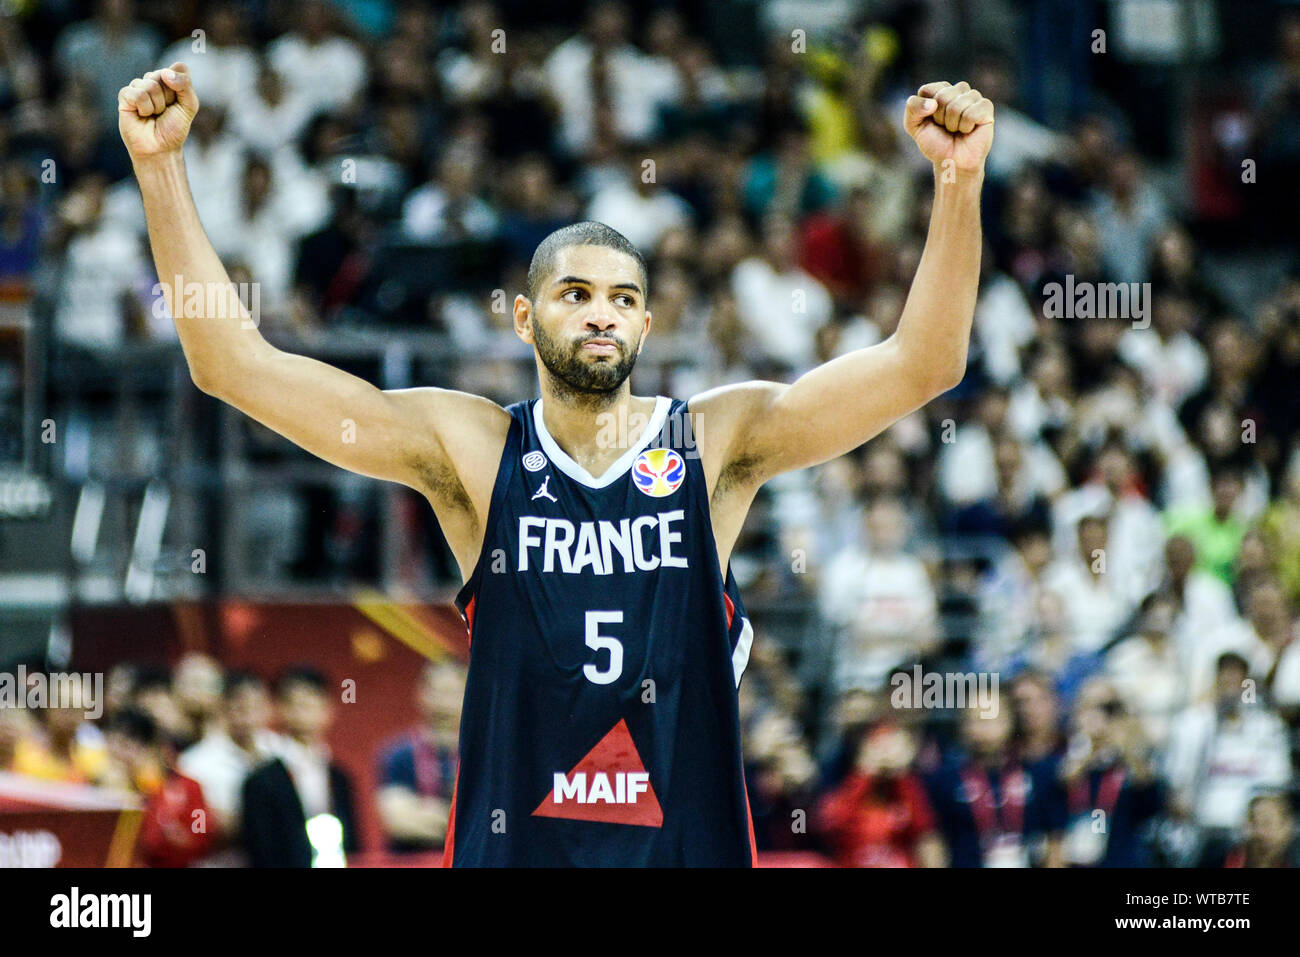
(600, 723)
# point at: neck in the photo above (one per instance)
(592, 427)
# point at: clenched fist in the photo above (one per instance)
(951, 123)
(154, 112)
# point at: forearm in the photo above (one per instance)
(407, 816)
(217, 333)
(934, 330)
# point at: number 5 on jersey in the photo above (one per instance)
(600, 642)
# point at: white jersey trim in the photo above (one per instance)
(616, 471)
(740, 657)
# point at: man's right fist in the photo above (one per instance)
(154, 112)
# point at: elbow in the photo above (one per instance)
(949, 378)
(204, 382)
(931, 373)
(943, 377)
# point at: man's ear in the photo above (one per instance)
(523, 318)
(645, 332)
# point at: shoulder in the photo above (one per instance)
(469, 432)
(725, 409)
(723, 415)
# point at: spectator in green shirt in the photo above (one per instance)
(1216, 531)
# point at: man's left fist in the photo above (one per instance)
(951, 123)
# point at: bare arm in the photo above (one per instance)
(409, 816)
(411, 436)
(765, 428)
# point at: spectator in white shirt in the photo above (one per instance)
(214, 166)
(105, 52)
(665, 40)
(1148, 670)
(196, 686)
(447, 210)
(221, 63)
(1265, 639)
(599, 68)
(780, 304)
(1172, 363)
(1009, 597)
(241, 742)
(1003, 323)
(639, 208)
(968, 465)
(271, 114)
(1135, 535)
(880, 601)
(1271, 617)
(476, 73)
(277, 207)
(1095, 599)
(1204, 604)
(1045, 400)
(316, 62)
(1130, 214)
(1222, 751)
(103, 265)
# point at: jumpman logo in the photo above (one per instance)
(543, 492)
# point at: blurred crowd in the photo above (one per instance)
(233, 770)
(1105, 514)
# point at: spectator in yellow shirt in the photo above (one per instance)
(65, 748)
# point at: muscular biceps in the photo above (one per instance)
(765, 428)
(443, 443)
(757, 430)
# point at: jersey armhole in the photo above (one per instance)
(688, 430)
(505, 472)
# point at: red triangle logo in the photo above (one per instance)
(609, 785)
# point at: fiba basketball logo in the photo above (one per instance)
(659, 472)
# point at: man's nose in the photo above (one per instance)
(600, 316)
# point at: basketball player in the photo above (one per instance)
(592, 526)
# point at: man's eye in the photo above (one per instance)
(625, 301)
(573, 293)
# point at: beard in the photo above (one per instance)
(584, 377)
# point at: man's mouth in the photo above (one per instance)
(603, 347)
